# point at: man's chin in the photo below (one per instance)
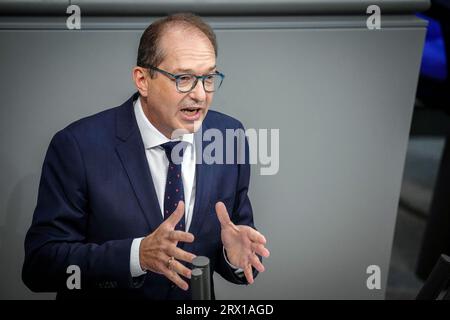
(187, 127)
(192, 126)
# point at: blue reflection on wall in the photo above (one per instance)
(434, 62)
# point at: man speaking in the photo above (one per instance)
(125, 195)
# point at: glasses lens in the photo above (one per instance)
(212, 82)
(185, 82)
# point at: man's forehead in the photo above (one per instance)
(184, 40)
(190, 60)
(192, 50)
(190, 70)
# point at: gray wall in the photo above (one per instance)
(341, 95)
(210, 7)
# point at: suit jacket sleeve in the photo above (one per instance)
(241, 213)
(57, 236)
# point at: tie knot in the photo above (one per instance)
(172, 155)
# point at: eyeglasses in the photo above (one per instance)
(186, 82)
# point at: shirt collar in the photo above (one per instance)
(151, 136)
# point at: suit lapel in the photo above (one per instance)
(131, 152)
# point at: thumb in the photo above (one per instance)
(222, 214)
(176, 216)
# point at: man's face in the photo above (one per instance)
(186, 51)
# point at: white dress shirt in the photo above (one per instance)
(158, 163)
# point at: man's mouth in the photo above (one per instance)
(190, 111)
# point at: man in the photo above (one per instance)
(114, 202)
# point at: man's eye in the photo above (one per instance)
(210, 78)
(185, 78)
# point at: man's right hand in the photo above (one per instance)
(157, 248)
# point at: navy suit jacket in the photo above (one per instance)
(96, 195)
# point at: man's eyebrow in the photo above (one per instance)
(190, 70)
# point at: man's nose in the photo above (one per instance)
(198, 92)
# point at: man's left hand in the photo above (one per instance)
(241, 243)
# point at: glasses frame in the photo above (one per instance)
(176, 77)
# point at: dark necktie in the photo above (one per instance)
(174, 191)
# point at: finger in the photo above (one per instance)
(178, 235)
(180, 254)
(255, 236)
(222, 214)
(256, 263)
(248, 273)
(175, 278)
(176, 216)
(260, 249)
(181, 269)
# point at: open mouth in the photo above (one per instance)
(191, 114)
(190, 111)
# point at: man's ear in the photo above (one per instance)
(141, 78)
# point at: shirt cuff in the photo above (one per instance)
(135, 265)
(238, 271)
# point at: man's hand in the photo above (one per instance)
(241, 243)
(158, 251)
